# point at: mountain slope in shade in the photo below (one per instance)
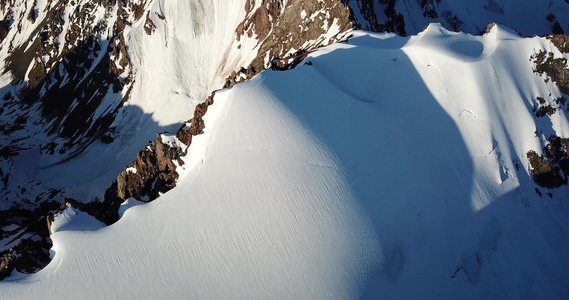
(265, 212)
(410, 17)
(381, 167)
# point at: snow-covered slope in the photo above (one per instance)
(265, 212)
(86, 84)
(400, 158)
(410, 17)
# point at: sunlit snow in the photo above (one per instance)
(385, 168)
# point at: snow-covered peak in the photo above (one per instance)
(386, 166)
(409, 17)
(381, 166)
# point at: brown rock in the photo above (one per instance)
(560, 41)
(197, 125)
(556, 68)
(545, 174)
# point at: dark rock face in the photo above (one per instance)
(395, 21)
(152, 172)
(560, 41)
(544, 109)
(58, 82)
(397, 16)
(551, 169)
(429, 9)
(281, 28)
(91, 69)
(149, 26)
(556, 68)
(4, 28)
(27, 257)
(28, 234)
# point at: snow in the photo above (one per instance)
(72, 219)
(527, 16)
(191, 55)
(384, 169)
(247, 224)
(193, 60)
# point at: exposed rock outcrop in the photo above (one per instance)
(555, 68)
(551, 169)
(152, 172)
(560, 41)
(26, 234)
(72, 61)
(285, 34)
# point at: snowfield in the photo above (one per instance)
(388, 167)
(265, 212)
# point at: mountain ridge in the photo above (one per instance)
(150, 20)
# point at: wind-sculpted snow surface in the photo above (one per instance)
(399, 158)
(433, 132)
(264, 213)
(86, 84)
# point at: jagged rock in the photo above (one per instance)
(104, 211)
(135, 184)
(165, 155)
(556, 68)
(488, 28)
(279, 27)
(429, 9)
(560, 41)
(184, 136)
(544, 173)
(149, 25)
(200, 110)
(152, 172)
(551, 169)
(545, 110)
(4, 28)
(29, 254)
(27, 257)
(550, 18)
(197, 125)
